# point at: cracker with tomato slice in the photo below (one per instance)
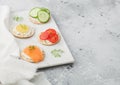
(49, 37)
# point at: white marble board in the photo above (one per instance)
(49, 60)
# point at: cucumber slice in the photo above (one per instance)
(43, 16)
(45, 9)
(33, 13)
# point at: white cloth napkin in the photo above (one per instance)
(14, 71)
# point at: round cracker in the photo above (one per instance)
(28, 59)
(48, 44)
(21, 36)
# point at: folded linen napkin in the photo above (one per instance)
(14, 71)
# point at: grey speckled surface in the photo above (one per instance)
(91, 29)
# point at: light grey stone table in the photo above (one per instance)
(91, 29)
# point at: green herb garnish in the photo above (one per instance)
(57, 53)
(31, 47)
(17, 18)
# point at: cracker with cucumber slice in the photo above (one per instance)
(39, 15)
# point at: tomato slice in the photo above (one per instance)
(53, 39)
(51, 32)
(50, 35)
(44, 36)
